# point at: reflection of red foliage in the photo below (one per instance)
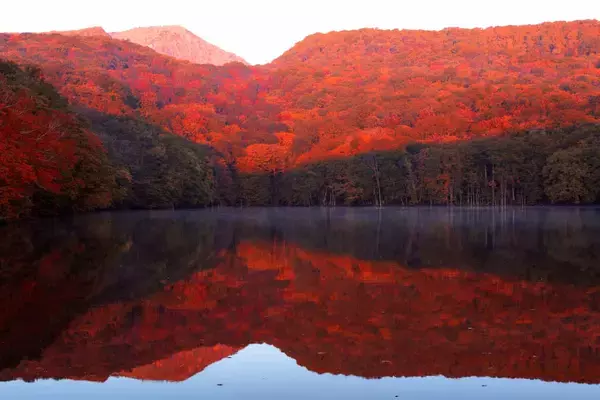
(337, 314)
(338, 94)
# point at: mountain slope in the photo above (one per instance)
(515, 44)
(387, 87)
(343, 93)
(178, 42)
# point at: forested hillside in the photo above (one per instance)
(49, 159)
(384, 88)
(466, 117)
(51, 162)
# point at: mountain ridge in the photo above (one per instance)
(500, 34)
(91, 31)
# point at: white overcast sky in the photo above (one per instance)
(261, 30)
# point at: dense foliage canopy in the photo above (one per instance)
(50, 161)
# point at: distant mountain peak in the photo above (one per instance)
(177, 41)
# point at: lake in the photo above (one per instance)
(348, 303)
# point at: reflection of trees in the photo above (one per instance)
(130, 304)
(561, 245)
(52, 271)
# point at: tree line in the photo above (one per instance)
(560, 166)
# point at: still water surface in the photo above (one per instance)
(303, 303)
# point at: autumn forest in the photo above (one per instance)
(485, 117)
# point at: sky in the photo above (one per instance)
(262, 30)
(263, 372)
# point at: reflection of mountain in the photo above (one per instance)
(180, 366)
(212, 288)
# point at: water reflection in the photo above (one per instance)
(264, 372)
(392, 293)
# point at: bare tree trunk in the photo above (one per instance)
(513, 192)
(373, 164)
(412, 186)
(379, 189)
(493, 188)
